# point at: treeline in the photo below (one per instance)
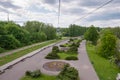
(13, 35)
(75, 30)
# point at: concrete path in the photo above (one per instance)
(86, 70)
(83, 65)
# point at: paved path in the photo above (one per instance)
(32, 63)
(86, 70)
(83, 65)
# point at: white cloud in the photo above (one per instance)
(46, 11)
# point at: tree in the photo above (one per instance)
(107, 44)
(38, 37)
(20, 34)
(8, 42)
(91, 34)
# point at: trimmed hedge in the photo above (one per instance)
(71, 58)
(52, 55)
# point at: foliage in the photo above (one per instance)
(76, 30)
(2, 49)
(35, 26)
(52, 55)
(71, 58)
(38, 37)
(116, 31)
(104, 69)
(73, 49)
(55, 49)
(9, 42)
(30, 32)
(20, 34)
(68, 73)
(91, 34)
(107, 44)
(33, 74)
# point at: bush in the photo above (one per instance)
(52, 55)
(68, 73)
(2, 50)
(55, 49)
(62, 45)
(71, 58)
(73, 49)
(28, 73)
(33, 74)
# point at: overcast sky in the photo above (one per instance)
(47, 11)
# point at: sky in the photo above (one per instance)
(46, 11)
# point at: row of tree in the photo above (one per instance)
(13, 35)
(106, 41)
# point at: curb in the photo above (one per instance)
(12, 63)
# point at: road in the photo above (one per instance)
(83, 65)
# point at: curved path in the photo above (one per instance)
(83, 65)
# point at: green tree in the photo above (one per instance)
(107, 44)
(38, 37)
(91, 34)
(19, 33)
(8, 42)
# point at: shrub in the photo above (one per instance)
(73, 49)
(71, 39)
(2, 50)
(68, 73)
(55, 49)
(52, 55)
(71, 58)
(62, 45)
(28, 73)
(33, 74)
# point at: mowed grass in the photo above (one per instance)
(63, 55)
(11, 57)
(42, 77)
(103, 67)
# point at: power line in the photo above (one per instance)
(93, 11)
(59, 12)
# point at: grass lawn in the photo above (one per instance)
(63, 55)
(42, 77)
(104, 69)
(11, 57)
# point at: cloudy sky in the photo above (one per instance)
(71, 10)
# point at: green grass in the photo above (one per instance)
(42, 77)
(63, 55)
(103, 67)
(11, 57)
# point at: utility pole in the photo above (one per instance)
(8, 16)
(58, 29)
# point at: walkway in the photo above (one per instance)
(83, 65)
(86, 70)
